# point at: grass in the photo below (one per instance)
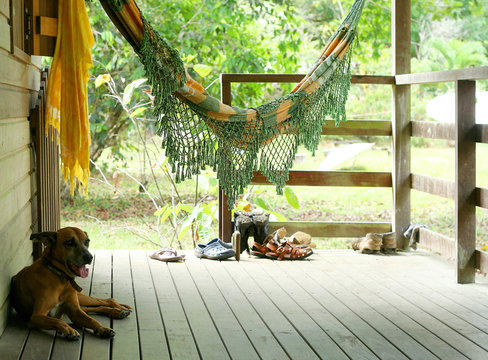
(123, 217)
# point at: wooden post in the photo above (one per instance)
(465, 181)
(225, 218)
(400, 24)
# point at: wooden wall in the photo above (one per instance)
(19, 86)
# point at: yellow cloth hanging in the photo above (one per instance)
(67, 107)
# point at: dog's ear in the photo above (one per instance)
(46, 237)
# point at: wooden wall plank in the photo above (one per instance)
(19, 166)
(19, 74)
(4, 34)
(433, 186)
(465, 201)
(14, 135)
(15, 102)
(11, 234)
(332, 178)
(5, 8)
(20, 258)
(400, 35)
(14, 200)
(330, 228)
(433, 130)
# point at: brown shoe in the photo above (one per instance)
(370, 244)
(389, 242)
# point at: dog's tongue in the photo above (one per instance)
(83, 271)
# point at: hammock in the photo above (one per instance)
(198, 130)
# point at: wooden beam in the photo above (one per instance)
(358, 127)
(433, 186)
(48, 26)
(293, 78)
(482, 261)
(475, 73)
(438, 243)
(482, 197)
(400, 34)
(225, 213)
(433, 130)
(465, 200)
(330, 228)
(331, 178)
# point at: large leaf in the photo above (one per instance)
(102, 79)
(291, 198)
(138, 111)
(202, 70)
(129, 90)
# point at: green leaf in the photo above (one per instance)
(186, 207)
(279, 217)
(260, 202)
(138, 111)
(188, 58)
(202, 70)
(292, 198)
(129, 89)
(161, 210)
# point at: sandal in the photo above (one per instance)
(166, 254)
(260, 250)
(286, 251)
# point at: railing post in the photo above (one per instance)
(465, 181)
(225, 218)
(400, 23)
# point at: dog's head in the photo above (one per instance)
(68, 246)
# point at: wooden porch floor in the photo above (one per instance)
(337, 305)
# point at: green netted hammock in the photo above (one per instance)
(198, 130)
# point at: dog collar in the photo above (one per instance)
(61, 273)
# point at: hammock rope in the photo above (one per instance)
(198, 130)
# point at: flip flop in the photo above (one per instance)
(166, 254)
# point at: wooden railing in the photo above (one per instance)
(466, 133)
(318, 178)
(463, 190)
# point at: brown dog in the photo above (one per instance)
(48, 286)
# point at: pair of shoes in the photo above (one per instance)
(246, 223)
(373, 243)
(280, 251)
(216, 249)
(167, 254)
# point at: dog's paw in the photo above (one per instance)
(105, 332)
(121, 313)
(72, 335)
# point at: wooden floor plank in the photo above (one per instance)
(203, 328)
(258, 333)
(315, 335)
(180, 338)
(412, 329)
(93, 346)
(452, 337)
(446, 304)
(289, 338)
(71, 350)
(125, 345)
(366, 333)
(39, 345)
(13, 338)
(235, 339)
(151, 328)
(448, 318)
